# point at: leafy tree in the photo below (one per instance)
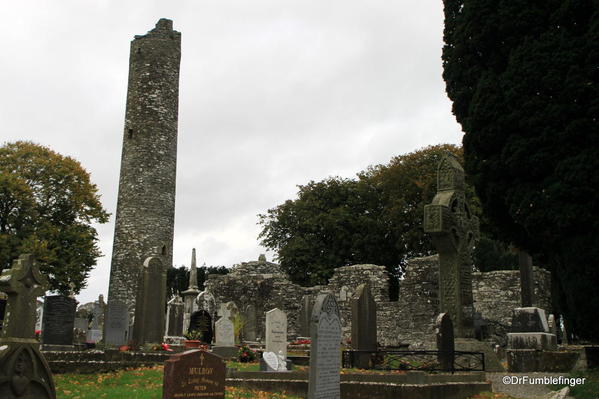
(47, 206)
(376, 218)
(523, 80)
(177, 278)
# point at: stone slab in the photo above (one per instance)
(226, 352)
(538, 341)
(529, 319)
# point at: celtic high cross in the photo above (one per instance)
(454, 230)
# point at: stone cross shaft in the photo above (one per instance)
(454, 231)
(23, 283)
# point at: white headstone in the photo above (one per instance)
(225, 334)
(276, 332)
(271, 360)
(325, 353)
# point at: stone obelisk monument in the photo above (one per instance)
(145, 212)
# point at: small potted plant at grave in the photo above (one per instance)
(245, 354)
(193, 339)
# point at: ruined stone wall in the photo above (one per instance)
(146, 200)
(406, 321)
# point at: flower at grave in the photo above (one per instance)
(245, 354)
(38, 333)
(166, 347)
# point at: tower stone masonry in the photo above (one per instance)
(146, 200)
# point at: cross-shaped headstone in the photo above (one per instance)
(23, 283)
(454, 231)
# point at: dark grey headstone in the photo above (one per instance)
(2, 310)
(251, 323)
(445, 341)
(116, 323)
(304, 316)
(363, 326)
(59, 320)
(150, 305)
(363, 332)
(201, 321)
(325, 353)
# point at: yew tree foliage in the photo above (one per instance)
(375, 218)
(47, 207)
(522, 76)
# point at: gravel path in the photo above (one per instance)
(521, 390)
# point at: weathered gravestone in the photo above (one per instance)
(325, 354)
(363, 326)
(251, 323)
(116, 323)
(2, 308)
(202, 322)
(24, 373)
(276, 333)
(174, 317)
(59, 320)
(445, 342)
(149, 307)
(225, 338)
(454, 230)
(194, 374)
(305, 314)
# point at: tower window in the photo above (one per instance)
(164, 250)
(130, 133)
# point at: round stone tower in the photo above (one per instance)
(145, 212)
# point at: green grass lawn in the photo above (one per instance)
(588, 390)
(144, 383)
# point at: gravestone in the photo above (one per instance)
(59, 320)
(551, 324)
(24, 373)
(530, 330)
(2, 310)
(445, 342)
(225, 338)
(276, 332)
(202, 322)
(174, 317)
(454, 231)
(149, 307)
(116, 323)
(363, 326)
(39, 315)
(325, 353)
(251, 323)
(305, 314)
(194, 374)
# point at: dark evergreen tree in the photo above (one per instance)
(522, 76)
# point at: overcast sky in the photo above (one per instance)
(272, 94)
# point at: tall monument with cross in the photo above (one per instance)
(24, 373)
(454, 231)
(145, 211)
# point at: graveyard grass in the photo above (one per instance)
(588, 390)
(142, 383)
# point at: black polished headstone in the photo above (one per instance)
(2, 310)
(59, 320)
(202, 322)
